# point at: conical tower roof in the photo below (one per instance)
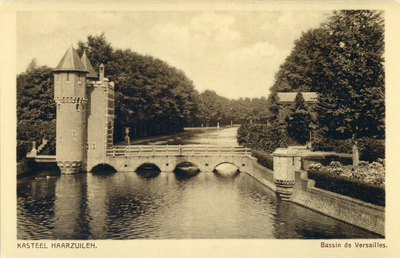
(86, 62)
(70, 62)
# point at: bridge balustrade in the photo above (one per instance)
(177, 150)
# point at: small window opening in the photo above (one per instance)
(74, 134)
(58, 107)
(67, 77)
(77, 106)
(94, 146)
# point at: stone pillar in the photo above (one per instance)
(286, 162)
(356, 157)
(127, 138)
(33, 151)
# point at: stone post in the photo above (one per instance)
(356, 157)
(33, 151)
(286, 162)
(127, 138)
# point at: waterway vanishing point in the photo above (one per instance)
(126, 205)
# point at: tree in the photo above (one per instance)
(342, 61)
(99, 51)
(351, 100)
(36, 111)
(302, 69)
(299, 120)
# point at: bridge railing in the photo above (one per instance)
(177, 150)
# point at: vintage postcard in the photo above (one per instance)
(199, 128)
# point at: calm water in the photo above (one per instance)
(124, 205)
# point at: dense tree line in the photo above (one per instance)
(342, 60)
(215, 109)
(151, 97)
(36, 117)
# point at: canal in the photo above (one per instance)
(126, 205)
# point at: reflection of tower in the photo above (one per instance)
(70, 96)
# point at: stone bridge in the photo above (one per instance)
(167, 158)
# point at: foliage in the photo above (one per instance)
(299, 120)
(352, 187)
(371, 149)
(343, 62)
(262, 136)
(324, 143)
(99, 51)
(35, 107)
(265, 159)
(351, 103)
(151, 97)
(371, 173)
(302, 70)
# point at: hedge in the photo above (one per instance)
(369, 148)
(264, 158)
(349, 187)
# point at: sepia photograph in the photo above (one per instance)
(207, 129)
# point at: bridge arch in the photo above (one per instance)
(147, 166)
(102, 167)
(148, 170)
(231, 170)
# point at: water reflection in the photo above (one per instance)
(125, 205)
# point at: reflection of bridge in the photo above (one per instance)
(167, 157)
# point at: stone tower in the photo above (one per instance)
(100, 115)
(71, 99)
(85, 113)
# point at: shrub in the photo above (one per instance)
(326, 144)
(353, 188)
(262, 137)
(264, 158)
(299, 120)
(315, 166)
(371, 149)
(336, 164)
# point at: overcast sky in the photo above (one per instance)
(235, 53)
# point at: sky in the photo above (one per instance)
(235, 53)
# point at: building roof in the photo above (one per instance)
(290, 96)
(88, 66)
(70, 62)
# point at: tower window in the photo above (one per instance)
(74, 134)
(94, 146)
(58, 107)
(77, 107)
(67, 77)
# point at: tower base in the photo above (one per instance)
(284, 188)
(69, 167)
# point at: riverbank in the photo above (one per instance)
(190, 134)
